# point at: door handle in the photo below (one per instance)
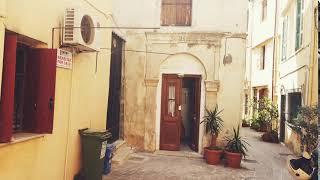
(51, 104)
(179, 108)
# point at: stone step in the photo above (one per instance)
(121, 153)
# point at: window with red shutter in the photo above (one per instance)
(28, 89)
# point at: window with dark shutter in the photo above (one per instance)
(284, 38)
(294, 103)
(176, 12)
(299, 24)
(28, 89)
(261, 61)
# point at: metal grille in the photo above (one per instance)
(69, 25)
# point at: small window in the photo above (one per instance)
(176, 12)
(284, 38)
(261, 62)
(255, 99)
(264, 9)
(294, 103)
(171, 100)
(299, 24)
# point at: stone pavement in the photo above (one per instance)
(266, 161)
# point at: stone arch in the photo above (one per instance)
(183, 63)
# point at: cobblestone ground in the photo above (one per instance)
(266, 161)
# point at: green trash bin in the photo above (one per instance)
(94, 145)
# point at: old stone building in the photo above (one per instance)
(192, 58)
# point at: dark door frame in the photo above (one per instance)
(115, 105)
(282, 117)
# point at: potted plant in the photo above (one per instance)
(236, 148)
(245, 123)
(213, 126)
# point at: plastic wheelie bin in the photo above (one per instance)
(94, 145)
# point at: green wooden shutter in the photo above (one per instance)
(298, 24)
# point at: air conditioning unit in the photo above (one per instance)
(80, 30)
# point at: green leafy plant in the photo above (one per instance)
(236, 144)
(213, 121)
(306, 125)
(266, 112)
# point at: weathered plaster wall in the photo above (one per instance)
(195, 49)
(80, 100)
(231, 77)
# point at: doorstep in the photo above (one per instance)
(187, 154)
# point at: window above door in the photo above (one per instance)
(176, 12)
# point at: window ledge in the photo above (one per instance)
(21, 137)
(296, 52)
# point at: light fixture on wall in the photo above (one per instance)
(227, 59)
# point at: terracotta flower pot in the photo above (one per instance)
(233, 159)
(213, 155)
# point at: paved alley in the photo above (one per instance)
(265, 161)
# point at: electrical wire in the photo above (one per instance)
(139, 51)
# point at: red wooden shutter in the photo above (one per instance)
(7, 88)
(40, 90)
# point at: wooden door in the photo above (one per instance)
(170, 113)
(196, 114)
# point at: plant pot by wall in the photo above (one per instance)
(270, 137)
(213, 156)
(233, 159)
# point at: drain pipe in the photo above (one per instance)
(273, 53)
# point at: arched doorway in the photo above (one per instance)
(180, 102)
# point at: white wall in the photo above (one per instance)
(207, 15)
(261, 33)
(262, 77)
(293, 71)
(262, 30)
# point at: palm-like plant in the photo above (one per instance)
(236, 144)
(213, 121)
